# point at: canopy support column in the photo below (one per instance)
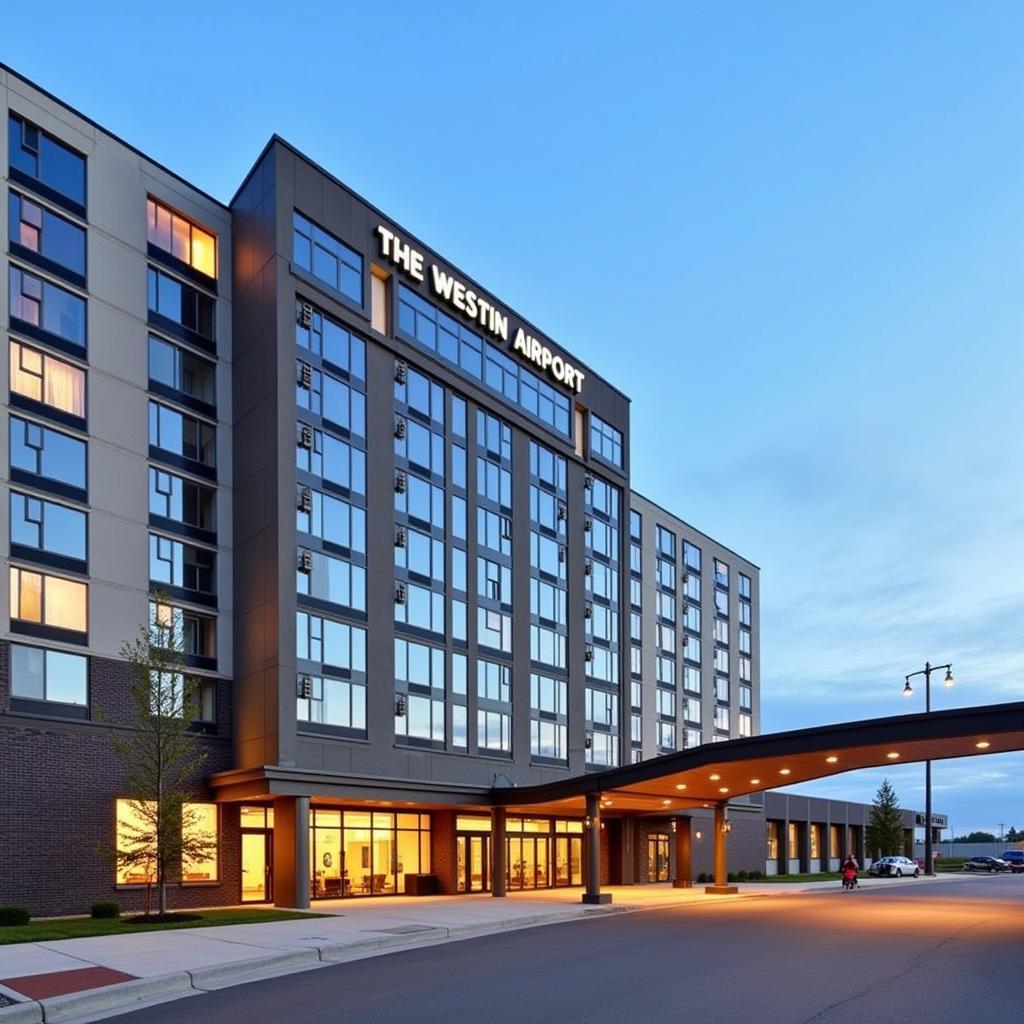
(722, 826)
(593, 826)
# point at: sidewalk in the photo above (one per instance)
(78, 980)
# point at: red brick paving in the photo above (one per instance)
(59, 983)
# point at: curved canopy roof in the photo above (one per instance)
(714, 772)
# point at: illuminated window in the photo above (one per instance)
(200, 825)
(794, 850)
(135, 842)
(48, 600)
(42, 378)
(181, 238)
(771, 839)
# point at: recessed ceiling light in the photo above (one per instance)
(723, 789)
(892, 755)
(831, 759)
(666, 802)
(783, 771)
(983, 744)
(755, 782)
(680, 785)
(714, 777)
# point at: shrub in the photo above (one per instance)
(755, 876)
(731, 876)
(702, 877)
(741, 876)
(101, 910)
(10, 916)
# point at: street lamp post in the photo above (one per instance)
(908, 691)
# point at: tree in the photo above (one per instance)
(1014, 835)
(976, 837)
(885, 826)
(161, 756)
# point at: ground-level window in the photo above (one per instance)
(771, 839)
(135, 842)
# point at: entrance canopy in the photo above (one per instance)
(717, 772)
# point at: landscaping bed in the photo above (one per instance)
(50, 929)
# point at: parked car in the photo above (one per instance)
(1015, 858)
(986, 864)
(894, 867)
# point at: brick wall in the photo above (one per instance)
(59, 780)
(442, 850)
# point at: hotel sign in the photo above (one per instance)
(474, 306)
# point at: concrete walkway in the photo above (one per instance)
(78, 980)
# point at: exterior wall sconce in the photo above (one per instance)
(726, 825)
(698, 834)
(673, 824)
(587, 823)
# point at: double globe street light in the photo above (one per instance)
(908, 691)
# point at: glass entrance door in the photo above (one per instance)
(473, 858)
(568, 860)
(657, 857)
(256, 867)
(528, 862)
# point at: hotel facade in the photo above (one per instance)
(393, 519)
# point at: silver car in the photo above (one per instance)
(894, 867)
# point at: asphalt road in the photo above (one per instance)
(902, 951)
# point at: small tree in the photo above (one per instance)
(885, 826)
(161, 756)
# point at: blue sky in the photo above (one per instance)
(792, 233)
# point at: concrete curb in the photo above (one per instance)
(22, 1013)
(209, 979)
(99, 1002)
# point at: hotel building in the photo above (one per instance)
(393, 519)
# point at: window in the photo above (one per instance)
(666, 703)
(181, 238)
(420, 447)
(605, 441)
(182, 435)
(47, 306)
(722, 603)
(327, 258)
(180, 370)
(691, 556)
(547, 646)
(329, 642)
(340, 702)
(745, 641)
(38, 674)
(721, 573)
(722, 719)
(722, 689)
(43, 378)
(174, 497)
(332, 519)
(40, 157)
(494, 531)
(422, 501)
(771, 831)
(548, 710)
(47, 526)
(744, 586)
(337, 345)
(421, 607)
(721, 632)
(427, 325)
(721, 660)
(182, 565)
(745, 613)
(420, 680)
(199, 830)
(746, 725)
(745, 669)
(332, 579)
(666, 543)
(47, 453)
(324, 455)
(422, 555)
(494, 629)
(43, 233)
(666, 735)
(198, 632)
(494, 581)
(135, 836)
(49, 600)
(181, 304)
(691, 679)
(330, 397)
(635, 525)
(494, 731)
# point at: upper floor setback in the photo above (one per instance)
(379, 276)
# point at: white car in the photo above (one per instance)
(894, 867)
